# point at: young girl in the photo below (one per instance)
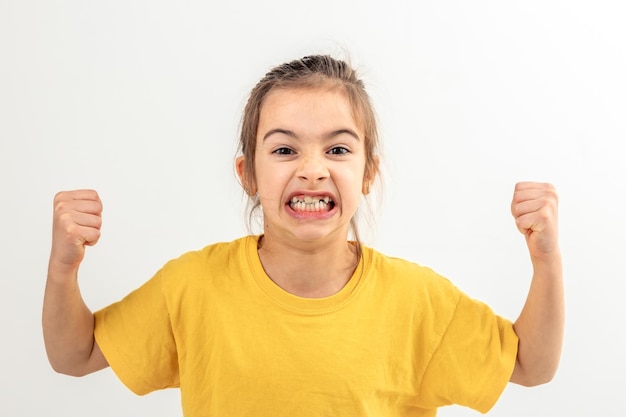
(300, 320)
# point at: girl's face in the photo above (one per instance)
(309, 165)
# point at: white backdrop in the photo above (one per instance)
(141, 100)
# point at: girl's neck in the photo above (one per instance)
(309, 271)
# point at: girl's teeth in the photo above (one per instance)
(308, 203)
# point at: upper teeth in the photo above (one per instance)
(310, 200)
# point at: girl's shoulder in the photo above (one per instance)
(399, 272)
(216, 252)
(213, 257)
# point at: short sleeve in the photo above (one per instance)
(136, 338)
(474, 360)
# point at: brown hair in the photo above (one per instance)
(315, 71)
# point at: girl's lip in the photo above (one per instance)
(309, 193)
(317, 215)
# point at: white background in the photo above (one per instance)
(141, 100)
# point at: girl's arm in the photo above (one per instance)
(540, 324)
(67, 322)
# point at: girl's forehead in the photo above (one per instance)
(290, 95)
(333, 102)
(317, 108)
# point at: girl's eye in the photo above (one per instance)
(283, 151)
(338, 150)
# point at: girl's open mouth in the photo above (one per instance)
(311, 203)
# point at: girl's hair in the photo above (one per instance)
(310, 72)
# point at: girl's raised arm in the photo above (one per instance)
(67, 322)
(541, 322)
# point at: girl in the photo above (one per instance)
(300, 320)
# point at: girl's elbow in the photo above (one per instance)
(67, 370)
(533, 377)
(536, 380)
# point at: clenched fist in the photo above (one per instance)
(76, 224)
(535, 209)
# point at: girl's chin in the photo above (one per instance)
(308, 232)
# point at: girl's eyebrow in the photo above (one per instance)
(328, 135)
(282, 131)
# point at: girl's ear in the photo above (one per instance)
(371, 170)
(244, 177)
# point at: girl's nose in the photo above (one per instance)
(312, 169)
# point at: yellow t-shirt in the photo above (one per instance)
(397, 340)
